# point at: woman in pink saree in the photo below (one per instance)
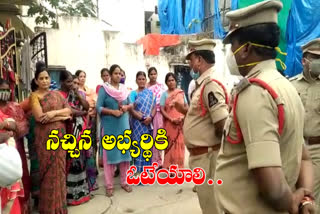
(157, 89)
(173, 122)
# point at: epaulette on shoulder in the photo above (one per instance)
(207, 80)
(243, 84)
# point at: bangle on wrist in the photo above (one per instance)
(306, 200)
(6, 125)
(306, 203)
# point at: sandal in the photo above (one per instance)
(127, 188)
(194, 189)
(109, 192)
(100, 163)
(91, 196)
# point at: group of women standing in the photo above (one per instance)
(56, 180)
(144, 111)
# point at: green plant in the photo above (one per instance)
(49, 10)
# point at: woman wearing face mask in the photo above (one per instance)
(113, 105)
(173, 122)
(123, 78)
(143, 112)
(157, 89)
(16, 194)
(50, 110)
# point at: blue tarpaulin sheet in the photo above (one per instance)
(219, 32)
(171, 17)
(234, 4)
(194, 15)
(303, 26)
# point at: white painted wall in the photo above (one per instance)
(84, 43)
(149, 5)
(89, 44)
(131, 59)
(125, 15)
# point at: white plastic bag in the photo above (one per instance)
(10, 165)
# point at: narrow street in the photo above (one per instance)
(143, 199)
(155, 199)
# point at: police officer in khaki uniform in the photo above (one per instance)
(308, 86)
(262, 148)
(203, 133)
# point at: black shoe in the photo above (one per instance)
(117, 172)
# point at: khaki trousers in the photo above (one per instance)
(205, 192)
(314, 152)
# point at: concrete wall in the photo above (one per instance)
(125, 16)
(130, 57)
(88, 44)
(149, 5)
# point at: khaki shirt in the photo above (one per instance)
(309, 92)
(261, 146)
(200, 131)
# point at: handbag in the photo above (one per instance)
(10, 164)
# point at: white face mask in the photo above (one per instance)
(314, 67)
(232, 63)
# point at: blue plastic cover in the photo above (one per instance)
(303, 26)
(194, 15)
(219, 31)
(171, 17)
(234, 4)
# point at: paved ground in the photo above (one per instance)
(143, 199)
(153, 199)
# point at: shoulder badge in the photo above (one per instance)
(212, 100)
